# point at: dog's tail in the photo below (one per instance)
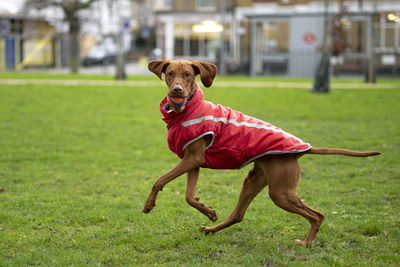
(340, 151)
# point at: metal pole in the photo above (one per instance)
(17, 51)
(58, 52)
(2, 54)
(253, 46)
(371, 71)
(221, 67)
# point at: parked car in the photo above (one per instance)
(101, 54)
(155, 54)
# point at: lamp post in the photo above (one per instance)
(370, 75)
(221, 67)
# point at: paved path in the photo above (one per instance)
(303, 85)
(131, 68)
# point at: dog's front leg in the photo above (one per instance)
(192, 177)
(193, 158)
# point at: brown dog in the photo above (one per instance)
(280, 171)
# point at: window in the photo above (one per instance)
(201, 46)
(356, 37)
(276, 37)
(389, 38)
(179, 47)
(271, 47)
(163, 4)
(388, 32)
(206, 4)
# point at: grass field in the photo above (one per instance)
(77, 164)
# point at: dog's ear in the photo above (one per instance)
(206, 70)
(158, 67)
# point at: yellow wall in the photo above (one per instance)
(38, 43)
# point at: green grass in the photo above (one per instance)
(77, 164)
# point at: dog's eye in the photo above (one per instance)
(187, 74)
(169, 74)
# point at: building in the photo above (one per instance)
(282, 37)
(287, 36)
(193, 28)
(25, 42)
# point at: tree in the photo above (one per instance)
(339, 36)
(322, 73)
(71, 10)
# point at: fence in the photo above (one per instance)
(303, 64)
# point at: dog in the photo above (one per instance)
(206, 135)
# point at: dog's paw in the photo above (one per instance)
(212, 215)
(206, 230)
(148, 207)
(302, 243)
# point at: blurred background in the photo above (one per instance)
(244, 37)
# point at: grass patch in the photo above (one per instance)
(77, 164)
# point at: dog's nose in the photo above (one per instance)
(177, 89)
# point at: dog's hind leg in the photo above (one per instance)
(283, 174)
(252, 185)
(192, 177)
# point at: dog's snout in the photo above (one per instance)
(177, 89)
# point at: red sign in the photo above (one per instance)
(309, 38)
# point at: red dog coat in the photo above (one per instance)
(237, 139)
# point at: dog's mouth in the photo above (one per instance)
(176, 95)
(176, 103)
